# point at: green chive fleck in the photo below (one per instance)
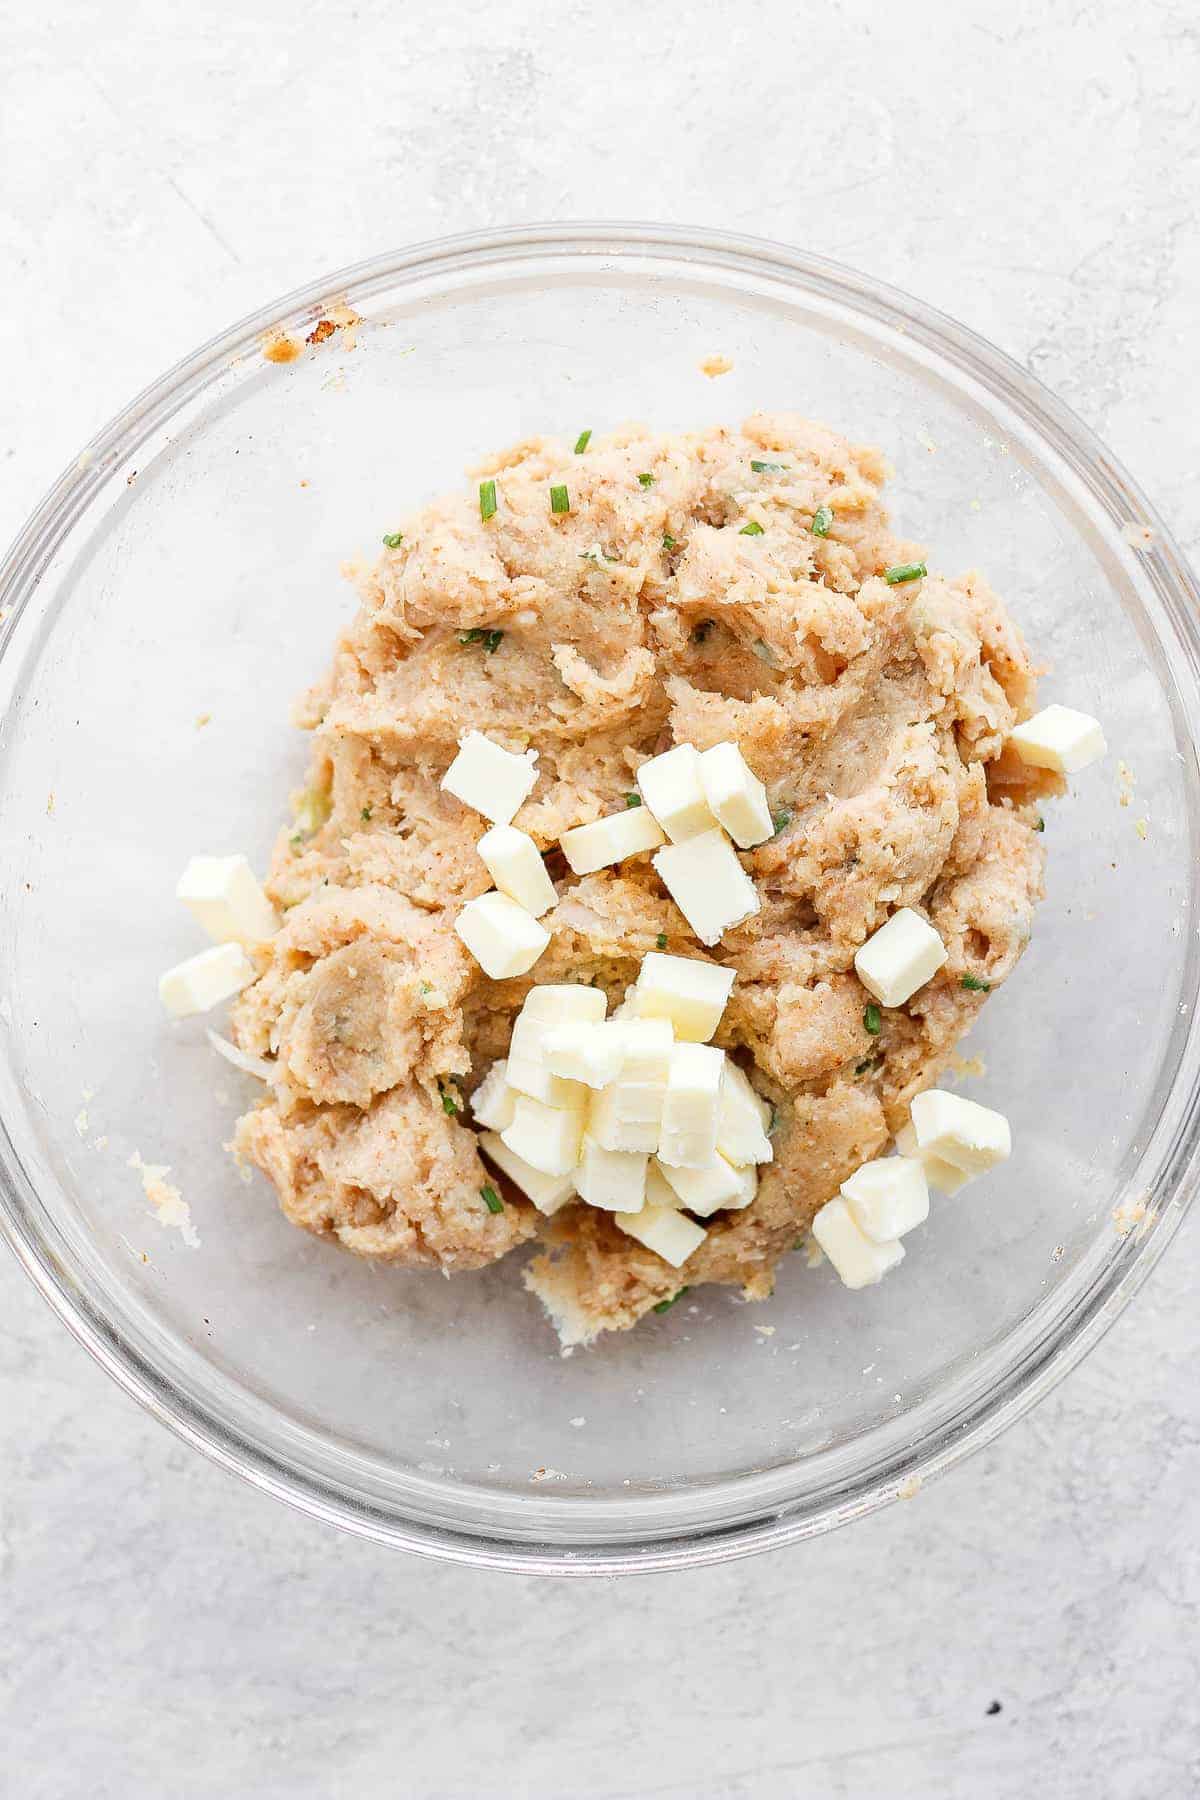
(973, 985)
(904, 572)
(491, 1199)
(560, 500)
(492, 641)
(633, 799)
(427, 987)
(822, 520)
(365, 814)
(646, 480)
(487, 500)
(753, 529)
(872, 1019)
(768, 468)
(394, 539)
(665, 1305)
(668, 541)
(476, 635)
(782, 820)
(582, 442)
(1040, 826)
(661, 940)
(449, 1105)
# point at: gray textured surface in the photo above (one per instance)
(1032, 169)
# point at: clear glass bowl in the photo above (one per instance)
(189, 564)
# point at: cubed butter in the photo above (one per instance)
(666, 1231)
(528, 1070)
(493, 780)
(971, 1137)
(691, 994)
(887, 1197)
(659, 1191)
(514, 862)
(591, 1053)
(745, 1118)
(548, 1192)
(941, 1176)
(608, 841)
(673, 790)
(546, 1137)
(493, 1104)
(613, 1131)
(736, 797)
(691, 1107)
(1059, 738)
(205, 980)
(556, 1002)
(614, 1180)
(709, 1190)
(503, 938)
(708, 884)
(899, 958)
(858, 1259)
(223, 894)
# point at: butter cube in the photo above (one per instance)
(673, 790)
(548, 1192)
(942, 1176)
(887, 1197)
(736, 797)
(899, 958)
(223, 894)
(971, 1137)
(659, 1191)
(503, 938)
(691, 1107)
(205, 980)
(745, 1117)
(717, 1187)
(528, 1070)
(646, 1049)
(493, 780)
(1059, 738)
(589, 1053)
(494, 1102)
(613, 1131)
(665, 1230)
(708, 884)
(546, 1137)
(858, 1259)
(514, 862)
(556, 1002)
(610, 840)
(614, 1180)
(691, 994)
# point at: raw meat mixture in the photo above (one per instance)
(875, 713)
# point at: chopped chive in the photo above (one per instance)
(491, 1199)
(476, 635)
(492, 642)
(668, 541)
(661, 940)
(782, 820)
(665, 1305)
(487, 500)
(450, 1105)
(799, 1244)
(646, 480)
(394, 539)
(1040, 826)
(822, 520)
(904, 572)
(767, 468)
(582, 442)
(702, 632)
(753, 529)
(633, 799)
(560, 500)
(973, 985)
(872, 1019)
(365, 814)
(427, 987)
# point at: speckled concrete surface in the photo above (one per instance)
(1026, 1626)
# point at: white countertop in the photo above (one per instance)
(1033, 170)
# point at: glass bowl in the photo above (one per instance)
(187, 567)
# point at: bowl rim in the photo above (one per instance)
(1048, 1356)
